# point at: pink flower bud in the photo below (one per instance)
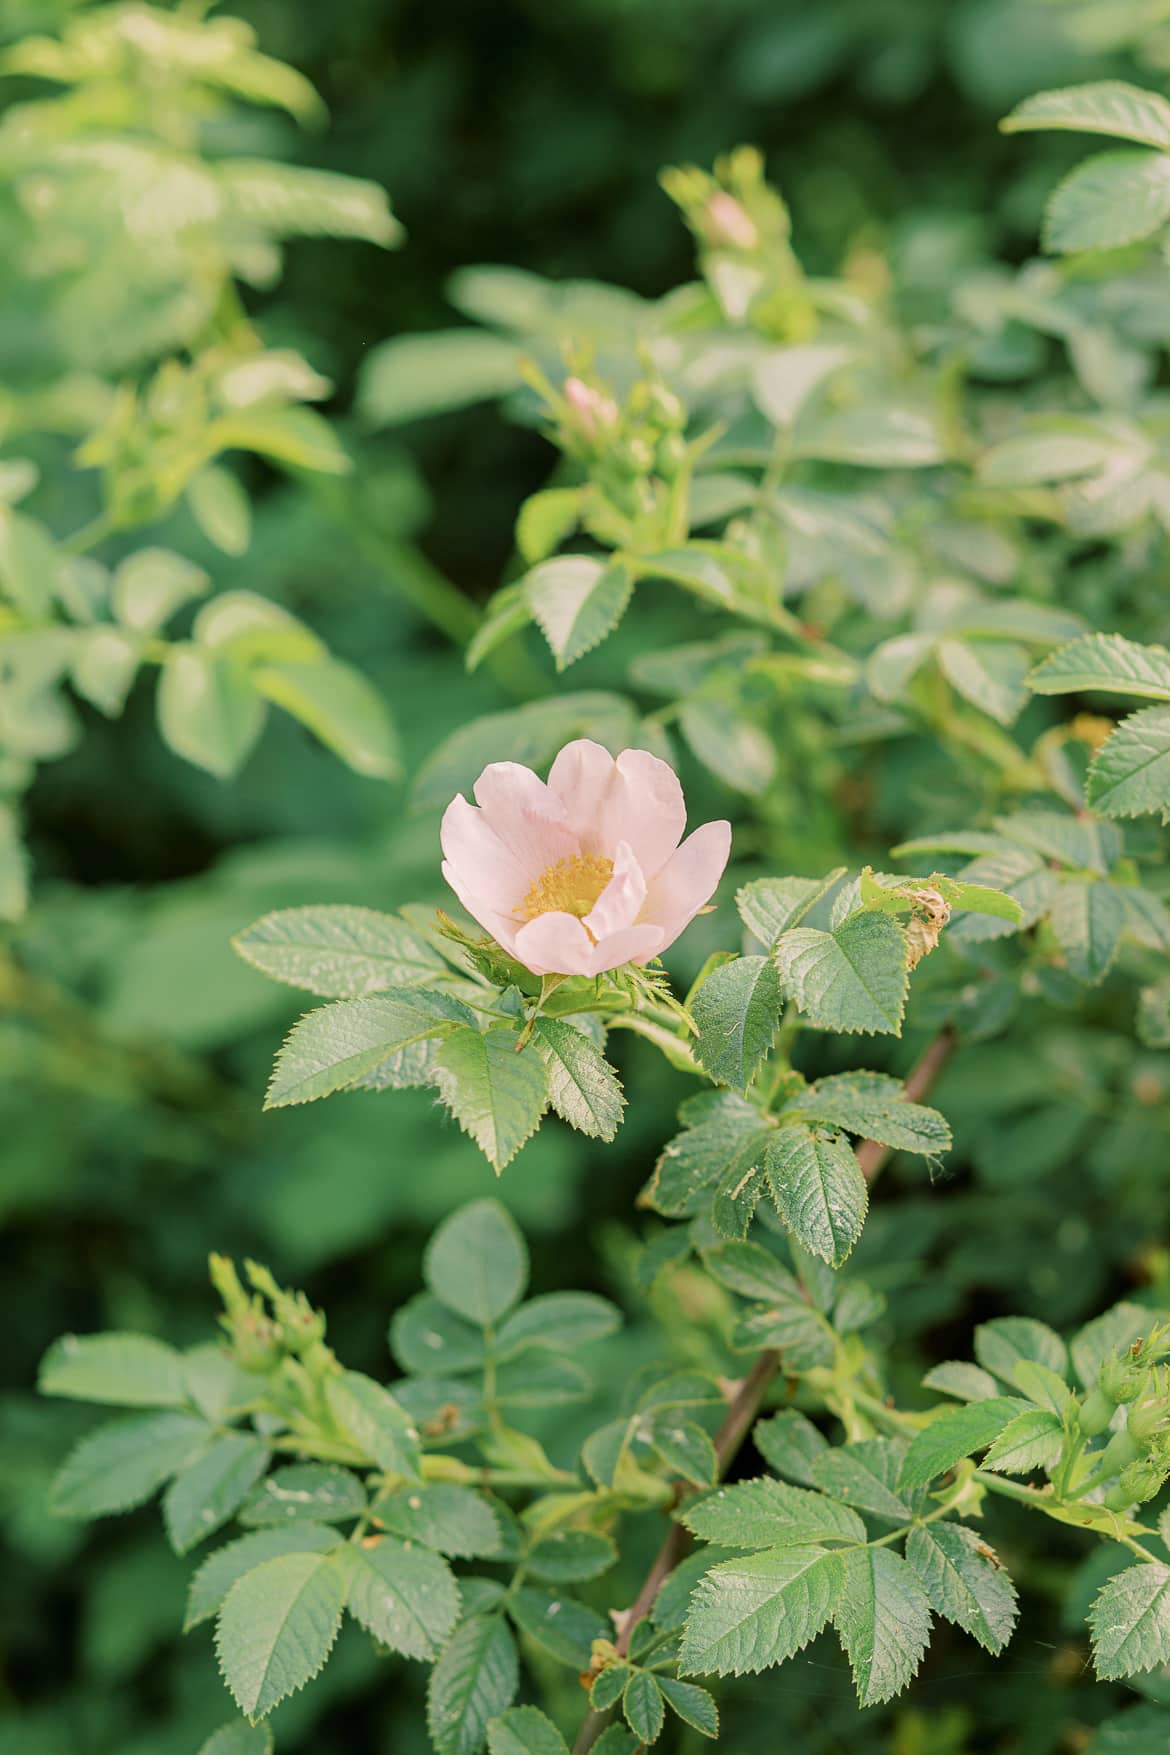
(595, 412)
(728, 223)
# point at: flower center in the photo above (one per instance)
(571, 886)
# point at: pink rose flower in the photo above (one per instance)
(585, 872)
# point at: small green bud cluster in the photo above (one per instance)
(269, 1325)
(1137, 1456)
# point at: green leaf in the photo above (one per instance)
(559, 1624)
(732, 746)
(818, 1189)
(769, 1514)
(406, 1596)
(577, 601)
(1130, 1621)
(582, 1086)
(276, 1628)
(531, 734)
(524, 1730)
(477, 1263)
(340, 952)
(545, 520)
(29, 566)
(770, 906)
(332, 1048)
(442, 1515)
(473, 1681)
(727, 1138)
(883, 1618)
(750, 1613)
(643, 1707)
(1107, 106)
(751, 1270)
(1113, 199)
(686, 1450)
(968, 1383)
(1140, 1730)
(1107, 662)
(150, 585)
(121, 1464)
(1032, 1440)
(316, 1491)
(219, 1572)
(505, 614)
(1130, 774)
(221, 508)
(867, 1474)
(130, 1371)
(567, 1556)
(496, 1094)
(565, 1320)
(880, 436)
(373, 1420)
(1044, 1387)
(428, 1338)
(299, 438)
(957, 1433)
(1022, 874)
(790, 1444)
(784, 378)
(737, 1010)
(693, 1705)
(874, 1108)
(413, 375)
(964, 1581)
(340, 707)
(208, 710)
(1001, 1344)
(1119, 1326)
(211, 1488)
(991, 674)
(1076, 841)
(238, 1738)
(852, 979)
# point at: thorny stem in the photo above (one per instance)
(746, 1402)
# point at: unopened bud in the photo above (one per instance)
(1137, 1483)
(593, 412)
(728, 224)
(1119, 1453)
(1122, 1378)
(1097, 1410)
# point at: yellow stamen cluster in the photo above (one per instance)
(571, 886)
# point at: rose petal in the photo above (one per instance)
(554, 944)
(621, 900)
(501, 927)
(637, 799)
(635, 944)
(480, 860)
(688, 879)
(529, 819)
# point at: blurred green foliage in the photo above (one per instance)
(134, 1046)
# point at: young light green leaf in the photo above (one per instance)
(319, 1492)
(750, 1613)
(643, 1707)
(127, 1370)
(1107, 106)
(769, 1514)
(564, 1320)
(577, 602)
(545, 520)
(340, 707)
(991, 674)
(333, 1047)
(414, 375)
(442, 1515)
(373, 1420)
(477, 1262)
(212, 1582)
(852, 979)
(1130, 773)
(276, 1628)
(582, 1086)
(523, 1730)
(208, 710)
(506, 613)
(686, 1450)
(212, 1487)
(238, 1738)
(785, 377)
(1108, 662)
(737, 1009)
(967, 1383)
(1117, 1327)
(405, 1595)
(150, 585)
(1032, 1440)
(964, 1581)
(1113, 199)
(221, 508)
(733, 746)
(883, 1618)
(495, 1094)
(957, 1433)
(339, 952)
(818, 1189)
(121, 1464)
(1130, 1621)
(692, 1704)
